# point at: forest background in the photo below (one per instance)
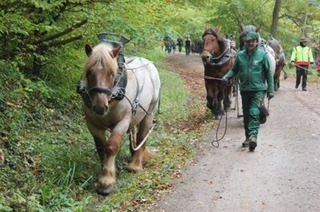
(47, 156)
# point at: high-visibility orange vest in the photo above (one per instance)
(302, 55)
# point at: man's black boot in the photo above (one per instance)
(252, 144)
(246, 143)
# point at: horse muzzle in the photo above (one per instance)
(100, 104)
(101, 111)
(206, 58)
(100, 98)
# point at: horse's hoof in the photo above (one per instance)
(104, 191)
(134, 168)
(218, 117)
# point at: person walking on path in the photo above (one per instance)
(301, 57)
(188, 45)
(180, 44)
(256, 80)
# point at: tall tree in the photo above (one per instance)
(275, 18)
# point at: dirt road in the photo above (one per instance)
(282, 174)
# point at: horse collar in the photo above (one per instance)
(222, 59)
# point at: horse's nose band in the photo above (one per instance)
(100, 90)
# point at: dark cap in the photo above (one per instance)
(252, 36)
(303, 39)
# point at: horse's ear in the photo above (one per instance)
(258, 28)
(241, 26)
(218, 28)
(116, 51)
(88, 50)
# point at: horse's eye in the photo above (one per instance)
(110, 74)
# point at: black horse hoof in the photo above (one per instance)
(104, 191)
(218, 117)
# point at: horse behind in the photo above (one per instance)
(262, 43)
(105, 110)
(217, 59)
(280, 61)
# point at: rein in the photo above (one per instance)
(212, 78)
(215, 142)
(142, 142)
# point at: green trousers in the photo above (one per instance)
(251, 102)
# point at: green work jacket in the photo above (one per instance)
(254, 71)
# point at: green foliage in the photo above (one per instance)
(230, 13)
(30, 30)
(35, 34)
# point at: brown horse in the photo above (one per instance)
(280, 61)
(120, 109)
(217, 59)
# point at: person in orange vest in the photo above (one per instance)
(301, 57)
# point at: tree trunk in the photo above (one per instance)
(275, 18)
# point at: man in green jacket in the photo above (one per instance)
(301, 57)
(253, 67)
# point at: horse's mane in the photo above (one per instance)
(101, 60)
(221, 41)
(249, 28)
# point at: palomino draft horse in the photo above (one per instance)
(105, 109)
(262, 43)
(217, 59)
(280, 61)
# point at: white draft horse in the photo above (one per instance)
(280, 61)
(105, 109)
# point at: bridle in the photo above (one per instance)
(218, 60)
(100, 90)
(209, 32)
(114, 93)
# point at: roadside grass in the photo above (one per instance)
(51, 163)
